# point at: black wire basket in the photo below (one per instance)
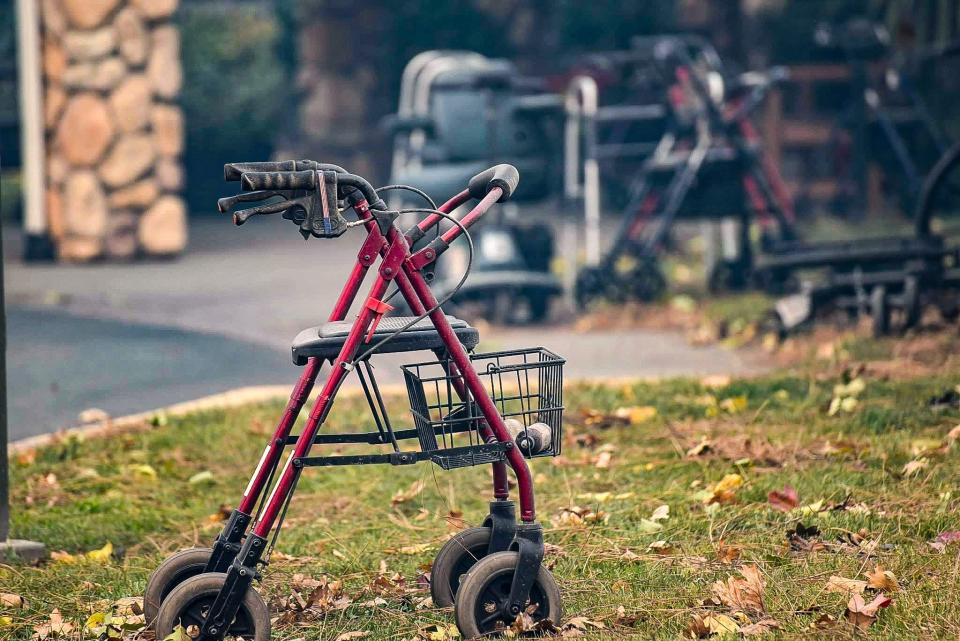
(526, 385)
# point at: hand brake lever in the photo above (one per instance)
(227, 203)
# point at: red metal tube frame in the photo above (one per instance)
(374, 245)
(457, 353)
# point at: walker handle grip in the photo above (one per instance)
(504, 176)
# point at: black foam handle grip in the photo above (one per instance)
(506, 177)
(232, 171)
(278, 180)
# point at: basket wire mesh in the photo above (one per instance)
(526, 385)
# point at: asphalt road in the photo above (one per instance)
(134, 337)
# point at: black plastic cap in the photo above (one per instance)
(506, 177)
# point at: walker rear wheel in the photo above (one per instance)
(454, 560)
(172, 572)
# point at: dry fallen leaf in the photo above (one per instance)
(862, 614)
(783, 500)
(9, 600)
(713, 624)
(55, 628)
(842, 585)
(347, 636)
(882, 580)
(404, 496)
(944, 539)
(742, 594)
(915, 466)
(662, 513)
(763, 626)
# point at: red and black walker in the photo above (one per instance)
(462, 404)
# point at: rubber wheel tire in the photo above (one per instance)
(880, 311)
(454, 560)
(590, 287)
(646, 283)
(174, 570)
(492, 575)
(188, 598)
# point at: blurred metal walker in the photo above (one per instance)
(458, 112)
(707, 165)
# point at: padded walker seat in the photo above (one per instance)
(325, 341)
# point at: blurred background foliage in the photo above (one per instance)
(237, 92)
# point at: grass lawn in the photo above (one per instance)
(859, 494)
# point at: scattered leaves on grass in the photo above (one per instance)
(178, 634)
(842, 585)
(54, 628)
(311, 599)
(602, 460)
(702, 626)
(882, 580)
(727, 553)
(438, 632)
(763, 626)
(723, 492)
(141, 471)
(576, 515)
(915, 466)
(636, 415)
(125, 615)
(743, 593)
(862, 614)
(944, 539)
(201, 478)
(661, 547)
(803, 538)
(407, 495)
(101, 555)
(783, 500)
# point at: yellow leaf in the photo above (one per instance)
(636, 415)
(143, 471)
(102, 555)
(178, 634)
(205, 476)
(734, 404)
(721, 624)
(6, 621)
(728, 483)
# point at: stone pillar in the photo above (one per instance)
(114, 133)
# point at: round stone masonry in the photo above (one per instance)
(114, 131)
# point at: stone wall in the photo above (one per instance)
(114, 133)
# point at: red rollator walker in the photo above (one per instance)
(468, 409)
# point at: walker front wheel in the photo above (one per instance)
(172, 572)
(189, 604)
(454, 560)
(483, 598)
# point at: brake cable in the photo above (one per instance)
(453, 292)
(431, 202)
(409, 188)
